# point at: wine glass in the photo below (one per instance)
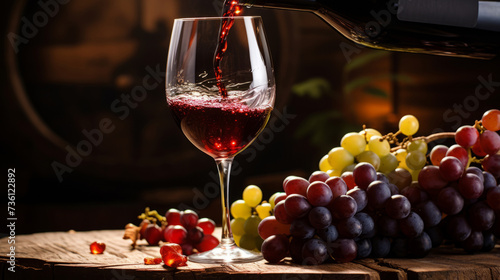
(220, 89)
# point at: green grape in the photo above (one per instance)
(264, 210)
(258, 243)
(388, 163)
(415, 160)
(378, 146)
(247, 241)
(251, 225)
(324, 165)
(252, 195)
(239, 209)
(339, 158)
(353, 143)
(237, 239)
(370, 157)
(414, 174)
(417, 145)
(237, 226)
(350, 167)
(272, 198)
(334, 173)
(369, 133)
(401, 157)
(408, 125)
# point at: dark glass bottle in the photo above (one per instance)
(460, 28)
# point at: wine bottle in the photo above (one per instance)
(459, 28)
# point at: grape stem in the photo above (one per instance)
(428, 139)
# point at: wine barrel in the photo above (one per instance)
(86, 88)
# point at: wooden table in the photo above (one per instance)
(65, 255)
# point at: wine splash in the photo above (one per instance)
(231, 8)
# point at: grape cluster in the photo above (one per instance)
(361, 205)
(247, 213)
(370, 146)
(180, 227)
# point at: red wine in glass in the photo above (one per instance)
(218, 128)
(230, 9)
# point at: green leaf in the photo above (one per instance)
(314, 88)
(364, 59)
(356, 83)
(375, 91)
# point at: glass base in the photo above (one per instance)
(226, 254)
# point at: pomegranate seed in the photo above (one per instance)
(97, 247)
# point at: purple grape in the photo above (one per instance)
(399, 247)
(387, 226)
(319, 194)
(344, 250)
(367, 225)
(457, 228)
(470, 186)
(359, 196)
(451, 168)
(414, 194)
(349, 228)
(476, 171)
(400, 177)
(381, 247)
(343, 207)
(295, 249)
(337, 186)
(302, 229)
(436, 236)
(450, 201)
(381, 177)
(275, 248)
(480, 216)
(320, 217)
(328, 234)
(473, 243)
(394, 189)
(420, 246)
(489, 182)
(364, 248)
(411, 226)
(488, 241)
(364, 173)
(314, 252)
(378, 193)
(493, 198)
(398, 207)
(491, 163)
(429, 212)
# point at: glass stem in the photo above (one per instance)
(224, 167)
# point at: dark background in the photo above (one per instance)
(66, 76)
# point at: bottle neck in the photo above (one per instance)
(299, 5)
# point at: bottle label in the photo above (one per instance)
(462, 13)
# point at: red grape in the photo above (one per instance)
(490, 142)
(457, 228)
(491, 163)
(493, 198)
(319, 194)
(429, 212)
(364, 173)
(398, 207)
(195, 235)
(297, 205)
(175, 234)
(414, 194)
(207, 243)
(153, 234)
(173, 217)
(318, 176)
(480, 216)
(275, 248)
(343, 207)
(189, 219)
(451, 168)
(470, 186)
(348, 178)
(349, 228)
(478, 150)
(295, 249)
(279, 197)
(296, 185)
(388, 226)
(430, 178)
(491, 120)
(400, 177)
(474, 242)
(437, 154)
(281, 215)
(476, 171)
(270, 226)
(337, 185)
(300, 228)
(207, 225)
(187, 248)
(466, 136)
(458, 152)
